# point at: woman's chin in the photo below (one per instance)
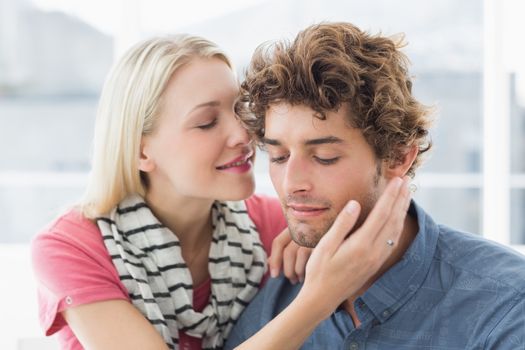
(241, 191)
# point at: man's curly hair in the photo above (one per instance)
(329, 64)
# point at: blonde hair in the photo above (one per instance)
(129, 107)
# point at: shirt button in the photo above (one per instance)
(354, 346)
(386, 313)
(69, 301)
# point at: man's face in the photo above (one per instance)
(317, 166)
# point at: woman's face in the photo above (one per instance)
(199, 149)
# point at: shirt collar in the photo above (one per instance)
(403, 279)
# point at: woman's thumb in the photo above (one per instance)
(342, 225)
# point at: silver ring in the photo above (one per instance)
(412, 187)
(390, 243)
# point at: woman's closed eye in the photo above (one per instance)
(278, 159)
(208, 125)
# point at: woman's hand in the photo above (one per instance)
(342, 265)
(291, 256)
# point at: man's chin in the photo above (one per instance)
(308, 239)
(304, 242)
(306, 234)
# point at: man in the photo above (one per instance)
(335, 111)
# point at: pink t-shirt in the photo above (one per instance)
(73, 267)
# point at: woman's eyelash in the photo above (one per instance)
(208, 125)
(278, 160)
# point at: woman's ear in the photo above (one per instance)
(399, 167)
(146, 163)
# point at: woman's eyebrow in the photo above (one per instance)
(206, 104)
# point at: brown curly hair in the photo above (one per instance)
(329, 64)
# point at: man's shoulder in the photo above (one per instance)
(276, 294)
(474, 255)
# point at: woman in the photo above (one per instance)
(163, 251)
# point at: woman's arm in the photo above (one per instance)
(112, 325)
(330, 266)
(78, 285)
(289, 256)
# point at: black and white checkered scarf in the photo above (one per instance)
(147, 256)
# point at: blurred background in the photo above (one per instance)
(54, 55)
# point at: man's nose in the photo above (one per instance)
(297, 176)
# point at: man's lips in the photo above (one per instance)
(301, 210)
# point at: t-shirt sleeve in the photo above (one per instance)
(267, 215)
(72, 267)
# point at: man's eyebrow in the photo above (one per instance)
(323, 140)
(311, 142)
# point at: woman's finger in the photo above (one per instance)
(303, 254)
(391, 230)
(373, 241)
(381, 210)
(342, 225)
(275, 261)
(289, 262)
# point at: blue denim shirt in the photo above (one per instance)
(451, 290)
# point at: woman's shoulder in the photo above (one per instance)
(261, 203)
(267, 215)
(70, 226)
(70, 233)
(265, 211)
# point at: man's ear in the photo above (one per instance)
(146, 163)
(399, 167)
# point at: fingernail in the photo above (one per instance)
(274, 273)
(351, 207)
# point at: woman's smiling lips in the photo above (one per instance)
(239, 165)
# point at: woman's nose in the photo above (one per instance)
(238, 135)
